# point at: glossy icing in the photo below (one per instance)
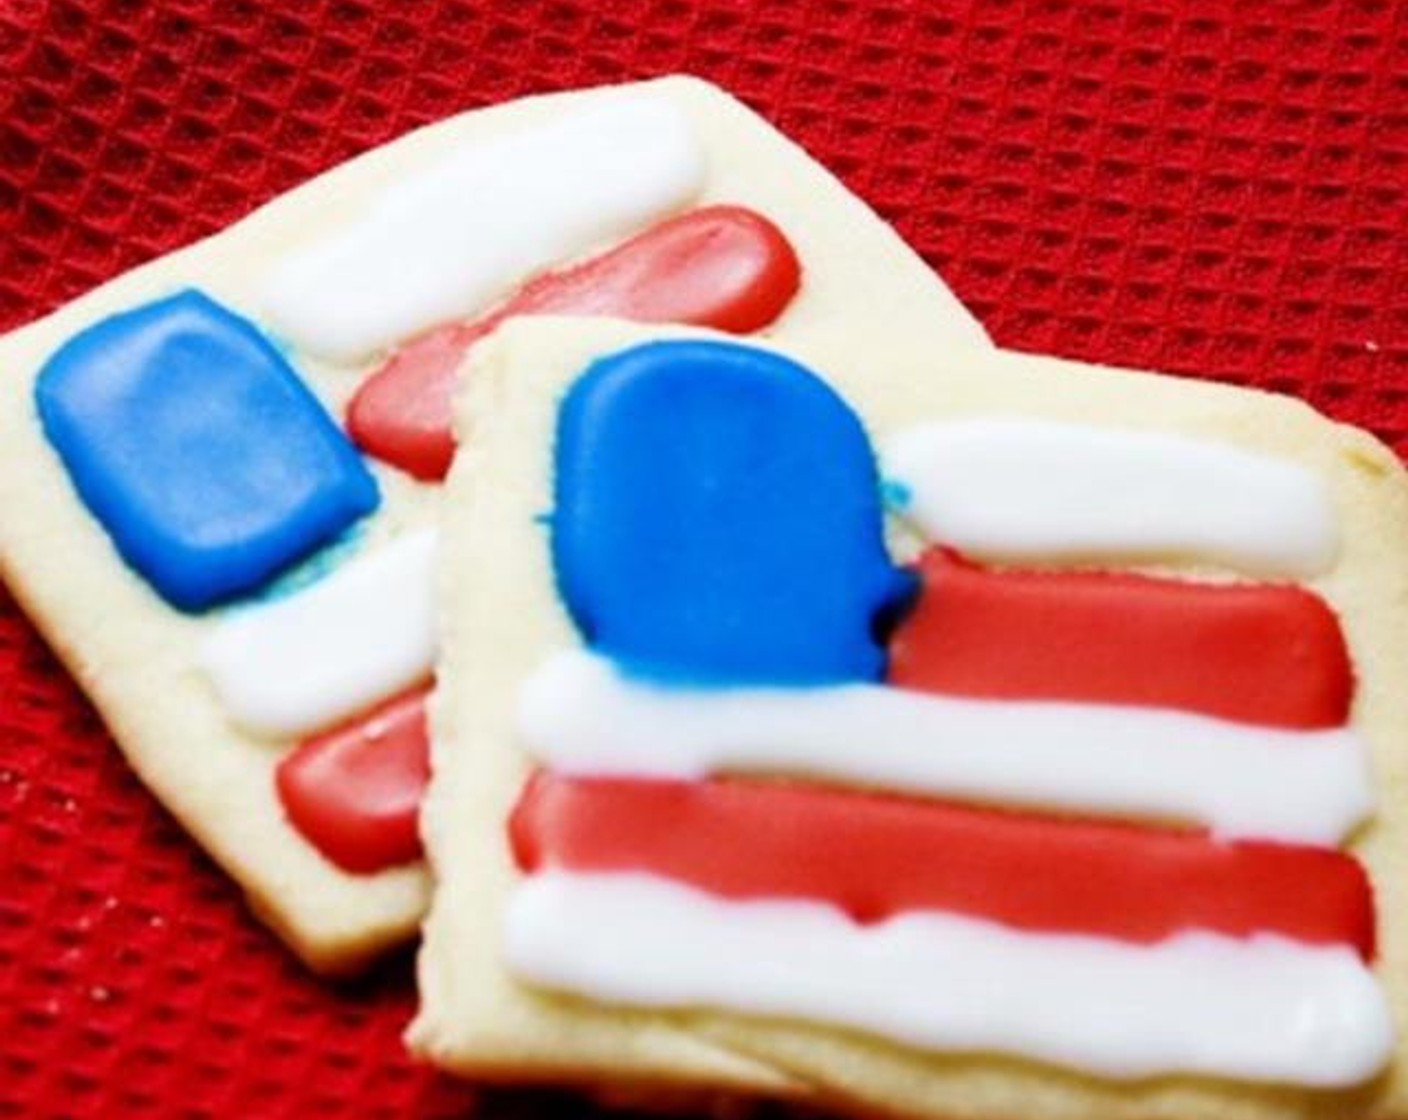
(457, 235)
(578, 715)
(1122, 949)
(354, 792)
(873, 856)
(302, 663)
(1263, 654)
(1260, 1009)
(206, 460)
(1029, 490)
(696, 483)
(718, 266)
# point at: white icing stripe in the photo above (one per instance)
(356, 636)
(443, 243)
(581, 717)
(1262, 1009)
(1019, 490)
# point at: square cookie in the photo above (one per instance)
(219, 473)
(1053, 769)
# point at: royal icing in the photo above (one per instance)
(302, 663)
(1262, 1009)
(1022, 490)
(579, 715)
(873, 856)
(1264, 654)
(719, 266)
(668, 571)
(717, 542)
(354, 792)
(453, 237)
(194, 444)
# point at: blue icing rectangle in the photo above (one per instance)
(717, 520)
(191, 439)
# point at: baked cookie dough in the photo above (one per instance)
(227, 574)
(1070, 793)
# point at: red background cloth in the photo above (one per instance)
(1218, 189)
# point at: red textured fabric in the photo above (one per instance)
(1208, 187)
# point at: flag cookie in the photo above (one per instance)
(944, 735)
(219, 473)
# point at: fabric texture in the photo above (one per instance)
(1210, 188)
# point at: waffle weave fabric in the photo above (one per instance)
(1212, 188)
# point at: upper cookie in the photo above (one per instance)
(218, 473)
(1068, 792)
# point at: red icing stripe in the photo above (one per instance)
(720, 266)
(354, 792)
(876, 855)
(1255, 653)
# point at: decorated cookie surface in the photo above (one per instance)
(689, 476)
(221, 472)
(927, 819)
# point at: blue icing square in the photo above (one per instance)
(718, 520)
(206, 459)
